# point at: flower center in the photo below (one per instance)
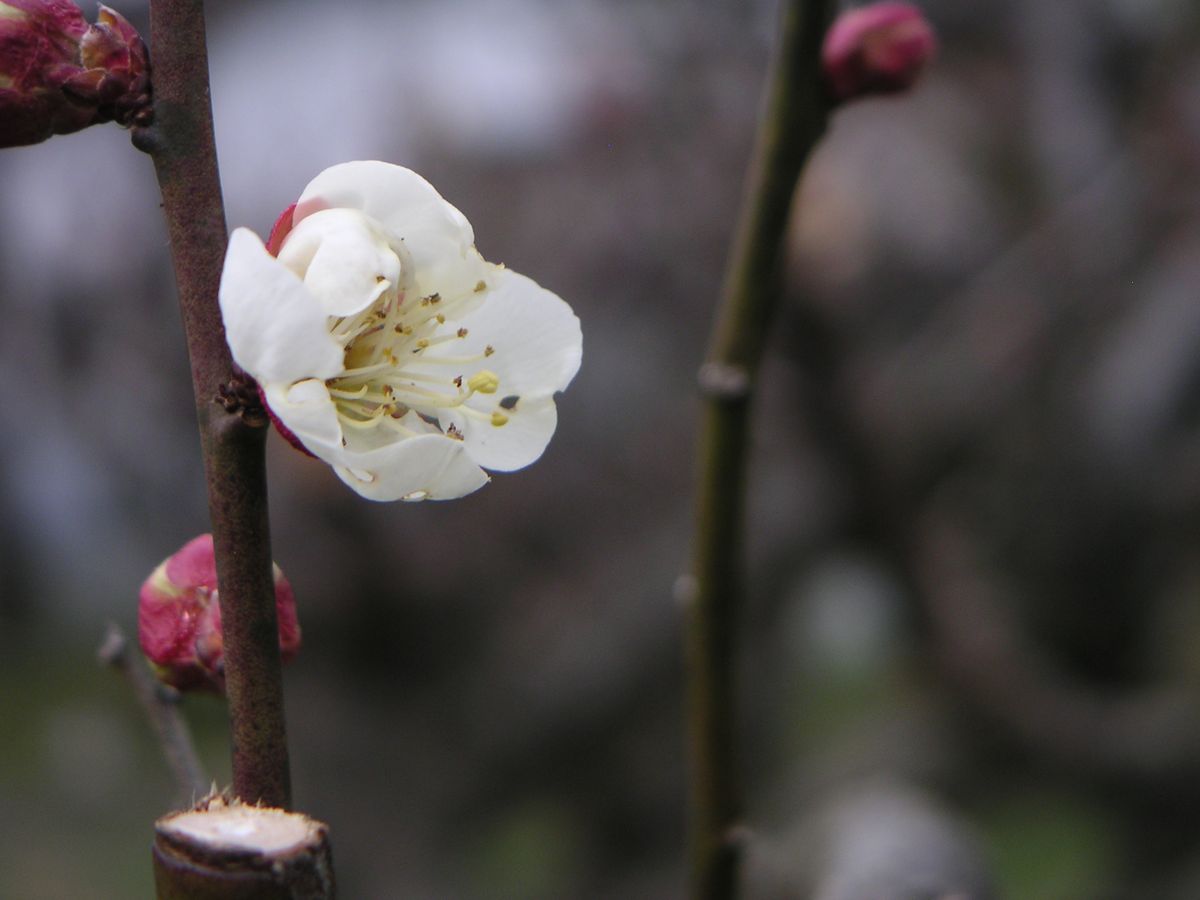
(400, 365)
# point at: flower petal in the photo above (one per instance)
(309, 414)
(535, 336)
(438, 236)
(521, 439)
(276, 330)
(428, 467)
(344, 259)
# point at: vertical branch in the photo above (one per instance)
(180, 141)
(793, 121)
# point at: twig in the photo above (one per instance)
(160, 704)
(180, 141)
(1149, 734)
(793, 122)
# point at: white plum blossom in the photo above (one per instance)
(387, 346)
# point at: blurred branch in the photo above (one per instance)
(1151, 734)
(160, 704)
(233, 438)
(794, 120)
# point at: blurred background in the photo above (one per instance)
(972, 647)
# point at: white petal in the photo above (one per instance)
(308, 412)
(275, 328)
(516, 443)
(344, 259)
(536, 337)
(437, 235)
(429, 467)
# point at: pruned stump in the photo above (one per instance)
(231, 851)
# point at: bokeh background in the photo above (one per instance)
(972, 645)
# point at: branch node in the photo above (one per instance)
(146, 137)
(723, 381)
(240, 397)
(684, 590)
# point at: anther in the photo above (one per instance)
(484, 381)
(499, 418)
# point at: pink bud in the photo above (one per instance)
(179, 619)
(58, 74)
(878, 49)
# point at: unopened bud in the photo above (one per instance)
(877, 49)
(59, 74)
(179, 619)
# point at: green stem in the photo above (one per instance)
(793, 122)
(180, 141)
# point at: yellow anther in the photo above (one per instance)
(484, 381)
(480, 286)
(499, 418)
(489, 350)
(462, 332)
(423, 343)
(441, 320)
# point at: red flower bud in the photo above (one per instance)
(179, 619)
(878, 49)
(59, 74)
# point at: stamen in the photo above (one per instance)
(499, 418)
(347, 395)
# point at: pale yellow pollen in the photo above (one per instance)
(484, 381)
(499, 418)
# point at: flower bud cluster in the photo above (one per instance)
(179, 619)
(58, 74)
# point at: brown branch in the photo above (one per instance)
(180, 141)
(793, 121)
(1149, 734)
(161, 705)
(222, 851)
